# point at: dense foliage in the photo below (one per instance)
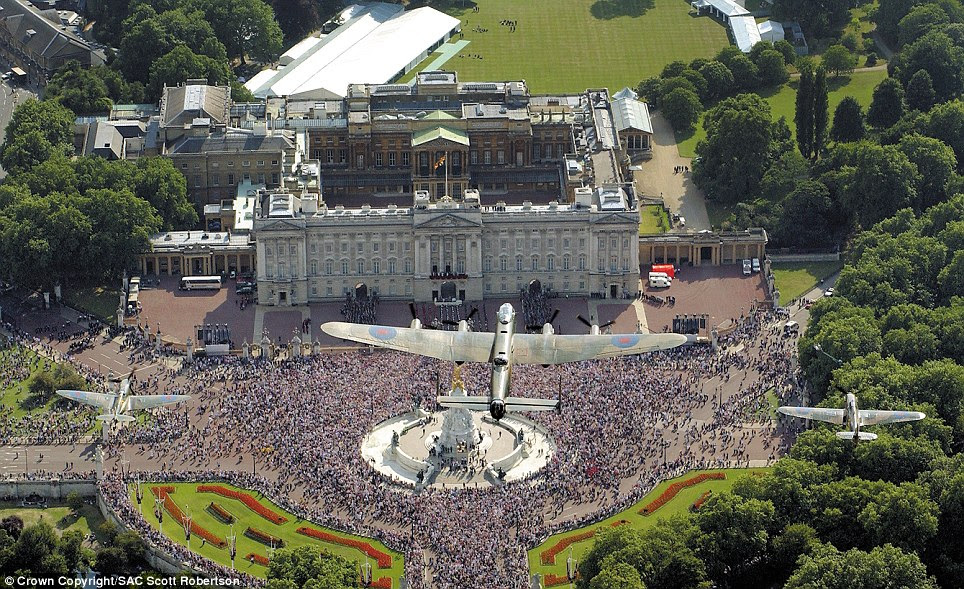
(63, 217)
(305, 567)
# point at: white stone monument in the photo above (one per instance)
(459, 433)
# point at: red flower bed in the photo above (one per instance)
(618, 523)
(384, 560)
(382, 583)
(252, 503)
(221, 513)
(267, 539)
(678, 486)
(262, 560)
(548, 556)
(552, 580)
(164, 494)
(699, 502)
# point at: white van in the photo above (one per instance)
(756, 264)
(653, 275)
(660, 282)
(791, 328)
(747, 268)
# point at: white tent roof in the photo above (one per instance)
(771, 30)
(629, 113)
(745, 32)
(370, 48)
(728, 8)
(300, 48)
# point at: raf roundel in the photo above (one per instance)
(382, 333)
(625, 341)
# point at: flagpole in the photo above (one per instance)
(447, 173)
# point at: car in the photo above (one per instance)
(747, 268)
(5, 76)
(682, 221)
(756, 264)
(828, 292)
(791, 328)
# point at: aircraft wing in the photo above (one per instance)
(453, 346)
(101, 400)
(874, 417)
(557, 349)
(818, 413)
(136, 402)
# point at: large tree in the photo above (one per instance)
(182, 64)
(37, 131)
(737, 149)
(839, 60)
(882, 568)
(887, 105)
(306, 567)
(935, 162)
(246, 27)
(682, 108)
(936, 54)
(157, 182)
(848, 121)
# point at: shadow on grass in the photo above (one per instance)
(67, 521)
(610, 9)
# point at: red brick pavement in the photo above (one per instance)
(723, 292)
(178, 311)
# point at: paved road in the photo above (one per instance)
(657, 178)
(10, 97)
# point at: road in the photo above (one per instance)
(10, 97)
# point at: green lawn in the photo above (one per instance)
(571, 45)
(59, 516)
(795, 278)
(653, 220)
(680, 504)
(186, 498)
(99, 300)
(15, 398)
(782, 102)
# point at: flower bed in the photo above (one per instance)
(553, 580)
(699, 502)
(257, 558)
(221, 513)
(548, 555)
(382, 583)
(384, 560)
(678, 486)
(249, 501)
(264, 538)
(164, 494)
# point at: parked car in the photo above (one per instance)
(828, 292)
(747, 268)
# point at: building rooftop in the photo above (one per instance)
(43, 32)
(629, 113)
(377, 42)
(178, 240)
(234, 142)
(182, 105)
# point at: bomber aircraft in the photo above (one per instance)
(502, 349)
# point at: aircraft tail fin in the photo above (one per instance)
(867, 436)
(530, 404)
(460, 402)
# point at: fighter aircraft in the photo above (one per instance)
(117, 405)
(853, 418)
(502, 349)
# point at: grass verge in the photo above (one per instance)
(793, 279)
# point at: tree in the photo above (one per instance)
(848, 121)
(920, 91)
(719, 79)
(838, 59)
(806, 216)
(819, 16)
(682, 109)
(618, 576)
(110, 561)
(946, 122)
(882, 568)
(783, 176)
(772, 68)
(936, 54)
(887, 105)
(733, 536)
(13, 525)
(919, 21)
(746, 76)
(157, 182)
(820, 111)
(737, 148)
(935, 163)
(245, 27)
(803, 117)
(182, 64)
(121, 228)
(889, 14)
(79, 89)
(37, 131)
(303, 565)
(75, 502)
(298, 18)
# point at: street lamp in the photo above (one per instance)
(232, 546)
(817, 348)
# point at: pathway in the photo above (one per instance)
(657, 178)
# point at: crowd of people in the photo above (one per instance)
(360, 309)
(536, 308)
(298, 424)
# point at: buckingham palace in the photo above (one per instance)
(445, 249)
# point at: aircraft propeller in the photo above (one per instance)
(592, 326)
(551, 320)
